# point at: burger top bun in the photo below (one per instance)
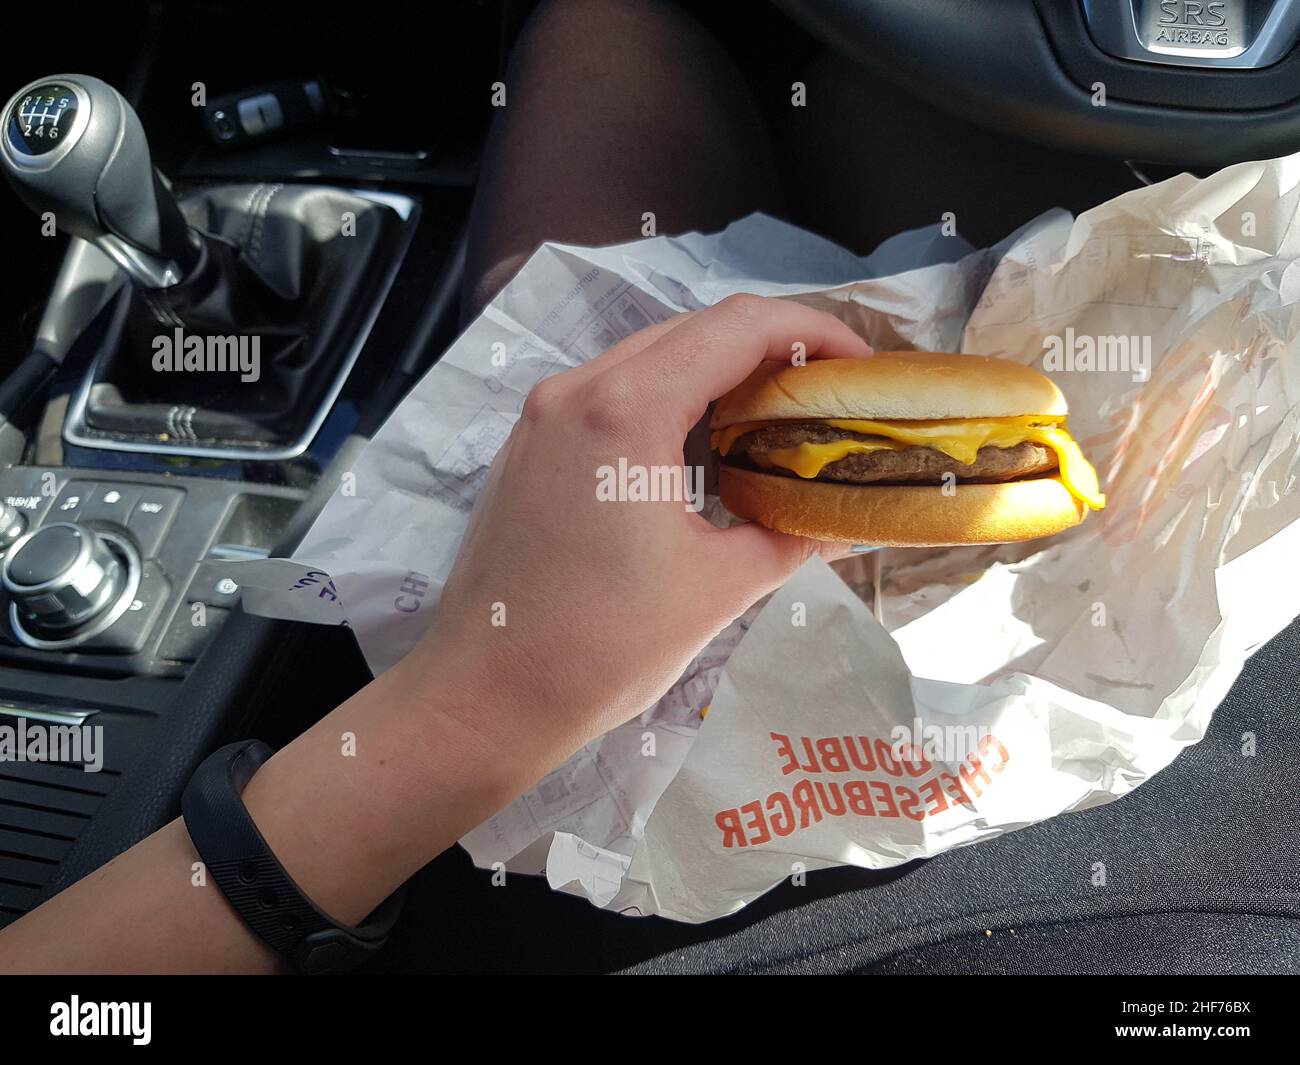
(891, 386)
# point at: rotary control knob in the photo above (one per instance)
(67, 582)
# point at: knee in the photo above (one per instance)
(479, 288)
(577, 23)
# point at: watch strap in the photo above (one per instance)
(254, 882)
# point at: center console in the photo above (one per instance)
(122, 574)
(215, 348)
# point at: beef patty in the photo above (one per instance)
(907, 465)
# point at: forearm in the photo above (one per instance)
(352, 808)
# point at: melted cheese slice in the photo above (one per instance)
(958, 439)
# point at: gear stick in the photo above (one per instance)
(294, 273)
(73, 146)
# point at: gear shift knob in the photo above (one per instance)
(73, 146)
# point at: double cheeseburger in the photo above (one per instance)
(903, 449)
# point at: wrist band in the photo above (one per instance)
(256, 885)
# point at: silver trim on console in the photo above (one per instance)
(76, 431)
(61, 716)
(143, 268)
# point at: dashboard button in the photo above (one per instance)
(152, 517)
(213, 584)
(13, 523)
(109, 502)
(29, 490)
(67, 507)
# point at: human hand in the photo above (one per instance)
(575, 613)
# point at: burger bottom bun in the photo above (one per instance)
(902, 515)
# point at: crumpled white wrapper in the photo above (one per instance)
(1085, 662)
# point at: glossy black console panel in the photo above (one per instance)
(45, 807)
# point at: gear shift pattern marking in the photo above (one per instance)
(73, 147)
(36, 132)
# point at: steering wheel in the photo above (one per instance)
(1189, 82)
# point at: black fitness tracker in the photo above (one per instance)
(256, 885)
